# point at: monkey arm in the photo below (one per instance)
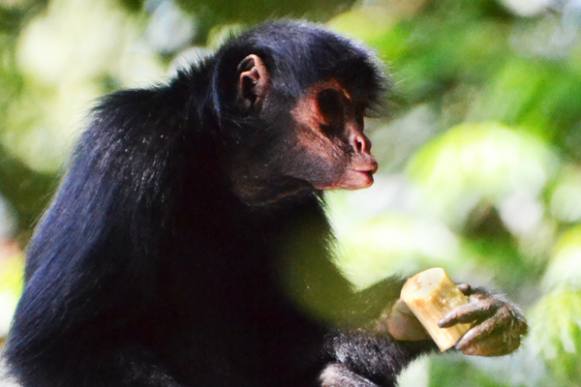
(358, 346)
(365, 349)
(375, 358)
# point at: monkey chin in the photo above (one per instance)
(352, 180)
(357, 180)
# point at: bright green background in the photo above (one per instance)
(480, 156)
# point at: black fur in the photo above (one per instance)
(148, 270)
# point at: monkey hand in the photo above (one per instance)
(401, 324)
(498, 324)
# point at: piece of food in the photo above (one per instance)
(430, 295)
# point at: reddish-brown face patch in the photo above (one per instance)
(311, 139)
(307, 111)
(308, 115)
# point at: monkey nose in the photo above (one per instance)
(360, 143)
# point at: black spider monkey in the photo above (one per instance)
(187, 244)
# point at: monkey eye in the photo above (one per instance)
(332, 108)
(330, 103)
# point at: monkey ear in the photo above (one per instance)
(253, 80)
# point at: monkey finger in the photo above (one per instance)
(482, 331)
(467, 313)
(495, 345)
(500, 342)
(512, 324)
(466, 289)
(521, 327)
(475, 334)
(477, 295)
(503, 318)
(402, 308)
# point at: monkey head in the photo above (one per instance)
(297, 124)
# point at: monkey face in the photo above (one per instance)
(329, 131)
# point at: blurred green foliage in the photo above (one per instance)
(480, 154)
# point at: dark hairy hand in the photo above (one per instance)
(498, 324)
